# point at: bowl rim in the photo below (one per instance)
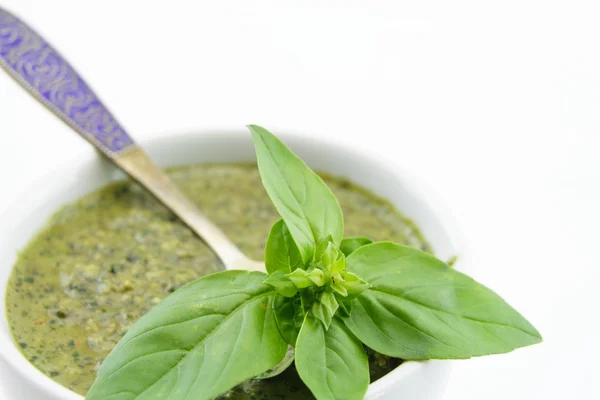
(85, 159)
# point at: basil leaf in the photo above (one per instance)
(279, 368)
(309, 209)
(289, 317)
(351, 244)
(330, 255)
(337, 286)
(322, 247)
(305, 278)
(332, 363)
(205, 338)
(419, 308)
(281, 252)
(345, 306)
(307, 298)
(354, 285)
(282, 284)
(324, 309)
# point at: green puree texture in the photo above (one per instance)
(104, 261)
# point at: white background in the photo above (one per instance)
(495, 106)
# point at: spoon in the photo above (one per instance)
(49, 78)
(33, 63)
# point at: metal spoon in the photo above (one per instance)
(33, 63)
(50, 79)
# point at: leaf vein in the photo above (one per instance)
(360, 298)
(287, 185)
(416, 328)
(234, 311)
(453, 314)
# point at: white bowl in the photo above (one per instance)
(27, 215)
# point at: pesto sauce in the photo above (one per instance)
(105, 260)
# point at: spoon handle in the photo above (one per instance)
(33, 63)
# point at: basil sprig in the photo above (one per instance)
(324, 295)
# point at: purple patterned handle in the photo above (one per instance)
(50, 79)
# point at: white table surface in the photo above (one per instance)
(494, 105)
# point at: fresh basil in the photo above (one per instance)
(419, 308)
(332, 362)
(284, 285)
(325, 307)
(289, 316)
(204, 339)
(351, 244)
(281, 252)
(307, 278)
(323, 299)
(309, 209)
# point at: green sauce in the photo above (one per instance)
(104, 261)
